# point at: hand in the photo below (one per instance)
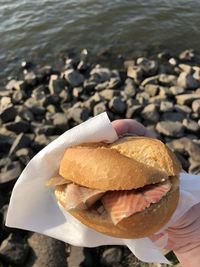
(184, 235)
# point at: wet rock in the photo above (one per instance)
(151, 89)
(182, 108)
(136, 73)
(187, 99)
(187, 81)
(16, 85)
(150, 113)
(46, 251)
(18, 97)
(78, 114)
(173, 61)
(8, 114)
(150, 80)
(191, 125)
(170, 128)
(19, 126)
(73, 77)
(175, 90)
(89, 84)
(164, 55)
(196, 106)
(108, 94)
(172, 116)
(166, 106)
(99, 108)
(21, 141)
(130, 89)
(111, 256)
(114, 82)
(30, 78)
(133, 111)
(61, 122)
(56, 85)
(187, 55)
(149, 67)
(26, 114)
(10, 172)
(185, 68)
(117, 105)
(100, 75)
(14, 250)
(83, 66)
(168, 80)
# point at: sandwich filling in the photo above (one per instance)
(118, 204)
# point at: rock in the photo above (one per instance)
(182, 108)
(5, 102)
(133, 111)
(47, 130)
(114, 82)
(52, 100)
(175, 90)
(193, 150)
(4, 93)
(31, 78)
(173, 61)
(108, 94)
(111, 256)
(151, 89)
(99, 108)
(196, 106)
(150, 113)
(77, 91)
(194, 167)
(78, 114)
(164, 91)
(101, 86)
(8, 114)
(24, 152)
(17, 127)
(61, 122)
(117, 105)
(166, 106)
(18, 97)
(184, 161)
(46, 251)
(136, 73)
(149, 67)
(164, 55)
(89, 84)
(132, 102)
(100, 75)
(14, 250)
(196, 73)
(187, 99)
(157, 99)
(76, 257)
(150, 80)
(10, 172)
(180, 145)
(73, 77)
(187, 55)
(142, 98)
(16, 85)
(170, 128)
(173, 116)
(26, 114)
(191, 125)
(168, 80)
(129, 63)
(56, 85)
(185, 68)
(40, 142)
(187, 81)
(21, 141)
(83, 66)
(6, 140)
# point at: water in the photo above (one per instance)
(45, 27)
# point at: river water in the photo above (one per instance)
(46, 27)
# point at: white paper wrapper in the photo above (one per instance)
(33, 206)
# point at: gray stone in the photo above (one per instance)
(187, 55)
(77, 91)
(89, 84)
(142, 98)
(99, 108)
(130, 89)
(187, 99)
(173, 116)
(17, 127)
(180, 145)
(182, 108)
(111, 256)
(191, 125)
(76, 257)
(149, 67)
(173, 61)
(47, 130)
(129, 63)
(196, 73)
(157, 99)
(166, 106)
(56, 84)
(8, 114)
(10, 172)
(65, 95)
(14, 250)
(60, 121)
(167, 79)
(194, 167)
(4, 93)
(26, 114)
(101, 86)
(108, 94)
(24, 152)
(196, 106)
(117, 105)
(150, 113)
(78, 114)
(150, 80)
(18, 97)
(175, 90)
(133, 111)
(187, 81)
(114, 82)
(46, 251)
(73, 77)
(151, 89)
(170, 128)
(21, 141)
(100, 75)
(83, 66)
(30, 78)
(40, 142)
(185, 68)
(164, 91)
(136, 73)
(16, 85)
(5, 102)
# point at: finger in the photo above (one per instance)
(128, 126)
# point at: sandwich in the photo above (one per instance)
(127, 189)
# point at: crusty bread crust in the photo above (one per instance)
(127, 164)
(140, 224)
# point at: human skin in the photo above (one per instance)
(184, 235)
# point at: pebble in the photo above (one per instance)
(191, 125)
(187, 81)
(187, 99)
(16, 85)
(175, 90)
(99, 108)
(133, 111)
(168, 80)
(187, 55)
(117, 105)
(17, 127)
(136, 73)
(151, 89)
(173, 116)
(100, 75)
(10, 172)
(170, 128)
(8, 114)
(166, 106)
(111, 256)
(150, 113)
(21, 141)
(196, 106)
(78, 114)
(56, 85)
(60, 122)
(108, 94)
(31, 78)
(73, 77)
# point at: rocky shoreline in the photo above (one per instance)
(162, 93)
